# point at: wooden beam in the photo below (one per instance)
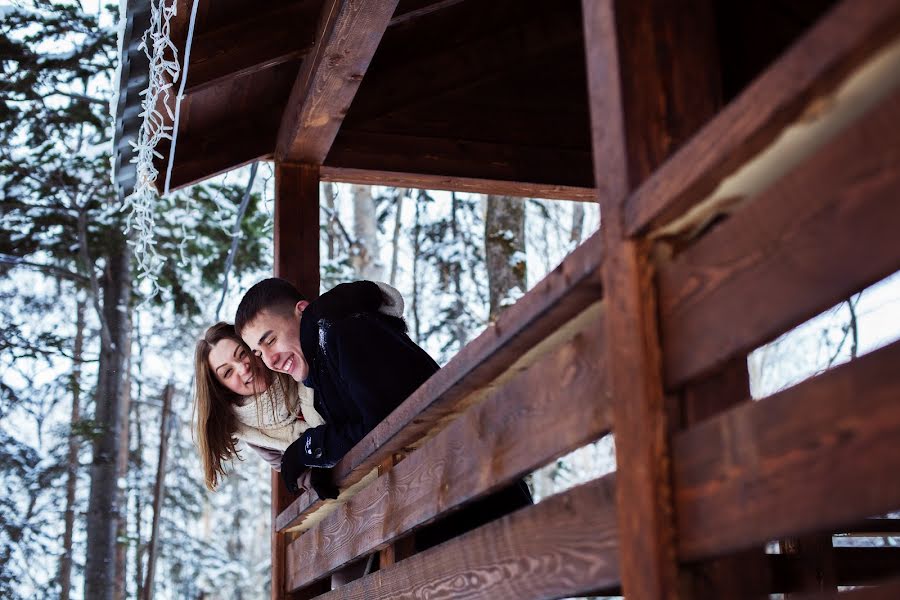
(461, 158)
(886, 591)
(297, 260)
(411, 10)
(529, 425)
(564, 546)
(348, 34)
(518, 189)
(649, 66)
(278, 35)
(795, 85)
(766, 269)
(525, 330)
(760, 471)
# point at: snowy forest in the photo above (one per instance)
(96, 362)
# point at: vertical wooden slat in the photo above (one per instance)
(652, 83)
(297, 260)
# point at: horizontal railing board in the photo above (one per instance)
(885, 591)
(564, 546)
(823, 232)
(558, 298)
(811, 69)
(522, 426)
(813, 457)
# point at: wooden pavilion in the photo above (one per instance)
(746, 158)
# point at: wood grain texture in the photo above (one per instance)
(811, 69)
(274, 36)
(564, 546)
(519, 189)
(297, 260)
(520, 427)
(824, 231)
(457, 157)
(762, 470)
(642, 57)
(563, 294)
(348, 34)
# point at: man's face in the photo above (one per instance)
(275, 337)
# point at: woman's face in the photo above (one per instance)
(233, 367)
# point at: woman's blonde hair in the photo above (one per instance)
(214, 420)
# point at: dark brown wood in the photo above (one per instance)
(823, 232)
(567, 291)
(745, 575)
(644, 59)
(409, 10)
(814, 566)
(280, 34)
(885, 591)
(347, 35)
(461, 158)
(519, 189)
(445, 66)
(760, 471)
(229, 148)
(871, 528)
(296, 259)
(564, 546)
(865, 566)
(850, 33)
(522, 425)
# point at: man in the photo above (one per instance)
(361, 366)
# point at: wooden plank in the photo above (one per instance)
(813, 68)
(519, 189)
(200, 156)
(278, 35)
(410, 10)
(885, 591)
(454, 157)
(767, 269)
(529, 32)
(522, 426)
(296, 259)
(564, 293)
(564, 546)
(760, 471)
(347, 35)
(642, 57)
(865, 566)
(871, 528)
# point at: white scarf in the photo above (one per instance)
(265, 420)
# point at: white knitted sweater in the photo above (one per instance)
(266, 421)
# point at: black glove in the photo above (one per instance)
(323, 482)
(292, 466)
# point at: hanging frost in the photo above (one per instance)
(164, 71)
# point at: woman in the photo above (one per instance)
(237, 398)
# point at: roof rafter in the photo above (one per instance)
(347, 36)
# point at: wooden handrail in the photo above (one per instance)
(525, 331)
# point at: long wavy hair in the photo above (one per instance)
(214, 419)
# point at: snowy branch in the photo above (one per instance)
(95, 285)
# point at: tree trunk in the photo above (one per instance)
(103, 505)
(158, 490)
(65, 561)
(331, 236)
(460, 335)
(504, 250)
(366, 254)
(399, 195)
(417, 331)
(122, 467)
(577, 224)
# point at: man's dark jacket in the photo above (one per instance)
(362, 366)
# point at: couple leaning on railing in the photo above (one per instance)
(337, 366)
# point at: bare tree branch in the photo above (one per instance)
(236, 235)
(92, 275)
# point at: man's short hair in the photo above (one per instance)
(273, 294)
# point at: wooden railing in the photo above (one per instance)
(813, 459)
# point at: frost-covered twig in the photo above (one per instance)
(236, 235)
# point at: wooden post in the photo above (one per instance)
(297, 260)
(653, 81)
